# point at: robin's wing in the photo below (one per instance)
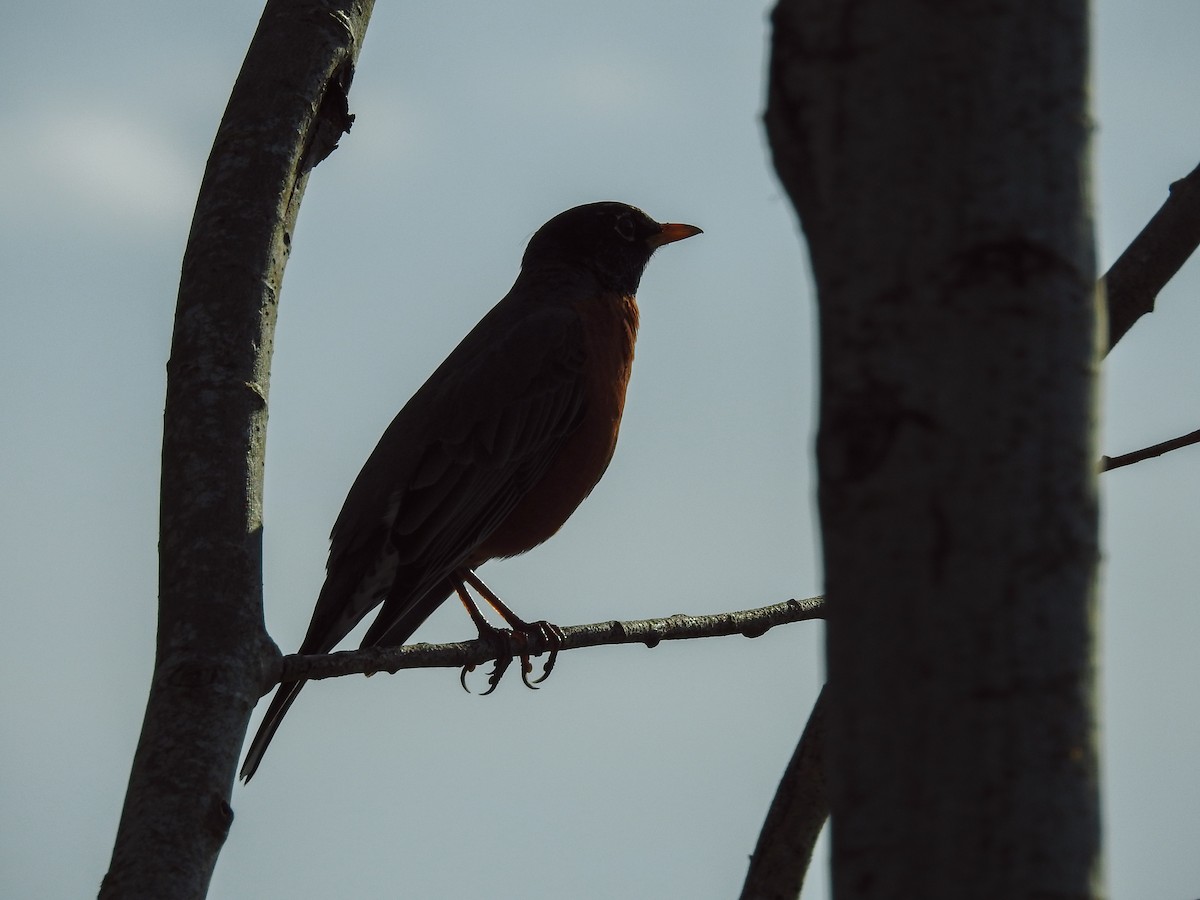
(449, 469)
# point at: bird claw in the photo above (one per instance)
(526, 668)
(553, 637)
(511, 645)
(503, 661)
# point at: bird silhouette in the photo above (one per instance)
(496, 449)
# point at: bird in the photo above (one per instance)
(496, 449)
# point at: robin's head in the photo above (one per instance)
(612, 240)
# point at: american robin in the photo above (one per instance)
(497, 448)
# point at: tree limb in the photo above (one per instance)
(212, 645)
(1131, 286)
(800, 806)
(1156, 254)
(750, 623)
(797, 814)
(1108, 463)
(944, 200)
(1133, 283)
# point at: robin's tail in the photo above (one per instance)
(394, 625)
(280, 703)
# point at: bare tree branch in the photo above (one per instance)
(212, 645)
(794, 821)
(1108, 463)
(800, 806)
(750, 623)
(1135, 279)
(1156, 254)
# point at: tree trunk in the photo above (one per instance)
(937, 155)
(213, 652)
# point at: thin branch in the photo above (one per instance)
(1108, 463)
(1133, 283)
(797, 814)
(1156, 254)
(750, 623)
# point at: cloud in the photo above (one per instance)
(76, 163)
(608, 86)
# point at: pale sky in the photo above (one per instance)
(632, 773)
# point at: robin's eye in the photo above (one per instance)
(626, 229)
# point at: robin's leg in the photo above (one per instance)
(548, 632)
(501, 638)
(514, 640)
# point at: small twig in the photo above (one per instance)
(1115, 462)
(750, 622)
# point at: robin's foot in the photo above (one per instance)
(553, 637)
(515, 643)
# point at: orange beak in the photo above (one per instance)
(671, 232)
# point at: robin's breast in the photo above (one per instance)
(610, 329)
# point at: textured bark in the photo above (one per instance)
(937, 156)
(213, 652)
